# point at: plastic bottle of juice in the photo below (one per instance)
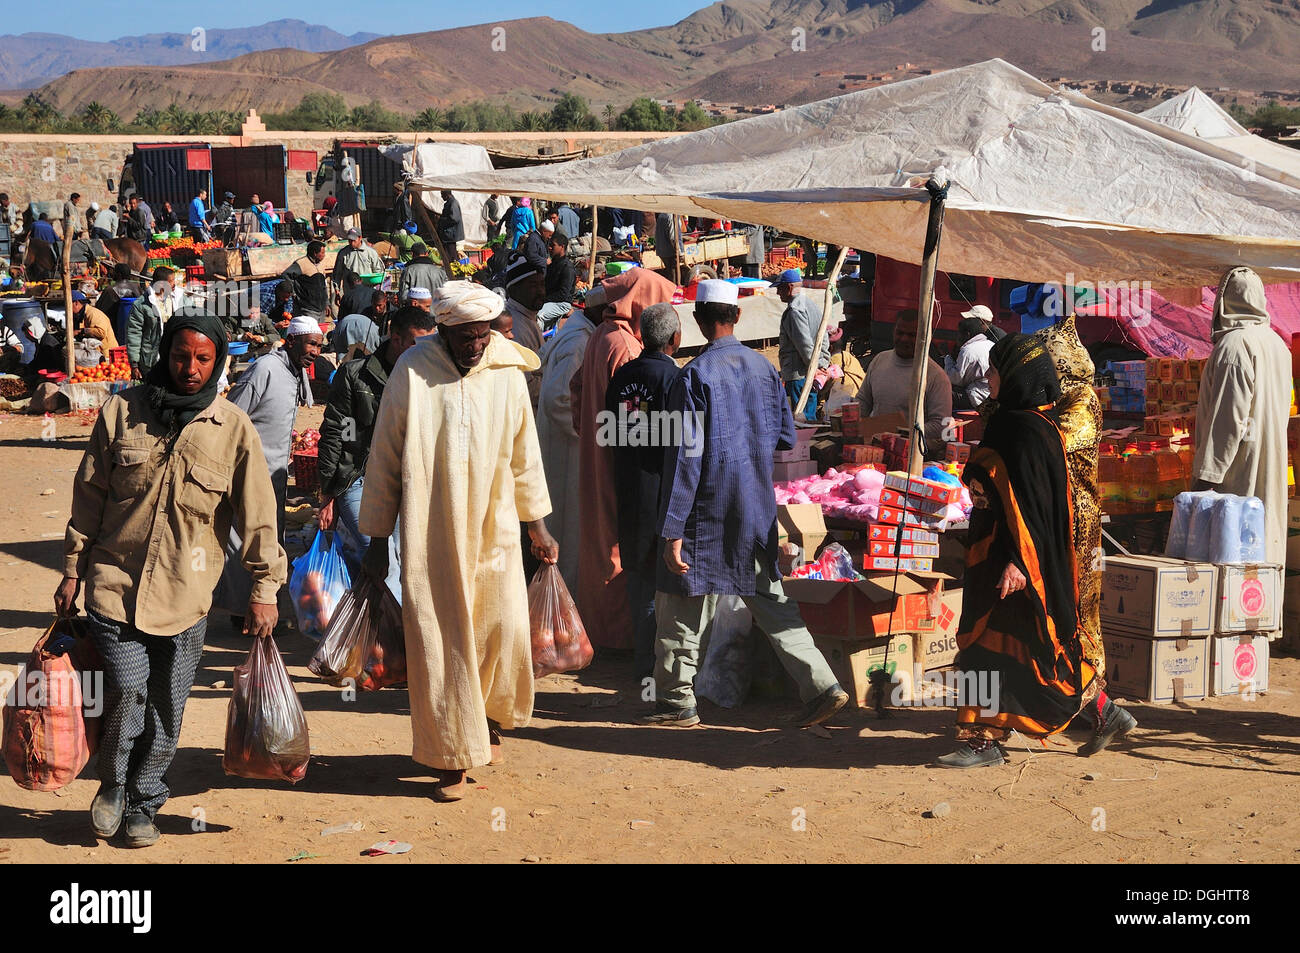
(1186, 454)
(1171, 478)
(1110, 481)
(1141, 480)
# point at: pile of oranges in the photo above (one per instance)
(119, 369)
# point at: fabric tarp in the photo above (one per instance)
(1197, 114)
(451, 159)
(1043, 183)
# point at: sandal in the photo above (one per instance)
(494, 739)
(451, 786)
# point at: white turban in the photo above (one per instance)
(303, 325)
(419, 294)
(464, 302)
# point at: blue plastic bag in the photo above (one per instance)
(320, 577)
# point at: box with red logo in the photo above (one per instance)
(1250, 598)
(897, 515)
(1239, 664)
(896, 564)
(890, 547)
(910, 501)
(911, 534)
(920, 488)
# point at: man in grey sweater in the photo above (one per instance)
(420, 273)
(887, 386)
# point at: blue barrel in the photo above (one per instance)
(123, 309)
(17, 312)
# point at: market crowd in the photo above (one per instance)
(461, 449)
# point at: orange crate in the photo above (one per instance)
(305, 474)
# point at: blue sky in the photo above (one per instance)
(95, 20)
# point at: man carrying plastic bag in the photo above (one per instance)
(170, 466)
(455, 453)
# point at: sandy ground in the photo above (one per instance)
(1211, 783)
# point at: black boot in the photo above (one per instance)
(1114, 723)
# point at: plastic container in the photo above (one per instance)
(1110, 483)
(1171, 478)
(1141, 481)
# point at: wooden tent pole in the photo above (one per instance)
(69, 321)
(827, 301)
(677, 249)
(417, 202)
(591, 262)
(938, 190)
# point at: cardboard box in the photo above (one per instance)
(895, 515)
(1293, 516)
(785, 472)
(1158, 670)
(857, 610)
(1250, 598)
(897, 564)
(919, 488)
(802, 451)
(936, 644)
(1153, 596)
(957, 452)
(882, 547)
(853, 660)
(803, 525)
(1239, 664)
(889, 531)
(858, 453)
(901, 499)
(868, 427)
(825, 453)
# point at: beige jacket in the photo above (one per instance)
(148, 528)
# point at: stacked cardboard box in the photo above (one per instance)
(1158, 616)
(1249, 617)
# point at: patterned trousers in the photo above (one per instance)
(147, 680)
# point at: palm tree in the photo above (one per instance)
(431, 119)
(175, 119)
(150, 118)
(99, 117)
(531, 122)
(610, 116)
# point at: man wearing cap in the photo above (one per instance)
(404, 240)
(717, 516)
(455, 459)
(358, 258)
(969, 372)
(602, 586)
(887, 385)
(561, 359)
(800, 322)
(534, 246)
(308, 281)
(525, 294)
(269, 392)
(420, 273)
(90, 322)
(421, 298)
(451, 227)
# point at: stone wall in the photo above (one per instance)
(44, 168)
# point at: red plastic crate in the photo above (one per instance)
(117, 355)
(306, 476)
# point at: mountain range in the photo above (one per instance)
(746, 51)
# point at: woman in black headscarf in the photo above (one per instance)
(179, 401)
(1018, 637)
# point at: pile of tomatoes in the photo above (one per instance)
(116, 370)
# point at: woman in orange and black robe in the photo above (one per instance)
(1019, 629)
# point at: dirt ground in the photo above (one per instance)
(1207, 783)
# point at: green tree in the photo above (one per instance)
(531, 122)
(571, 113)
(432, 119)
(692, 117)
(150, 118)
(611, 116)
(99, 118)
(644, 115)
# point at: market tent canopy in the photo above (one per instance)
(1197, 114)
(1044, 183)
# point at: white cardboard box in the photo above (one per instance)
(1250, 598)
(1239, 664)
(802, 451)
(1142, 668)
(1158, 597)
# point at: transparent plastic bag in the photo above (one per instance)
(559, 639)
(266, 730)
(365, 641)
(320, 578)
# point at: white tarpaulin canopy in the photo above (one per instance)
(1045, 184)
(1197, 114)
(451, 159)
